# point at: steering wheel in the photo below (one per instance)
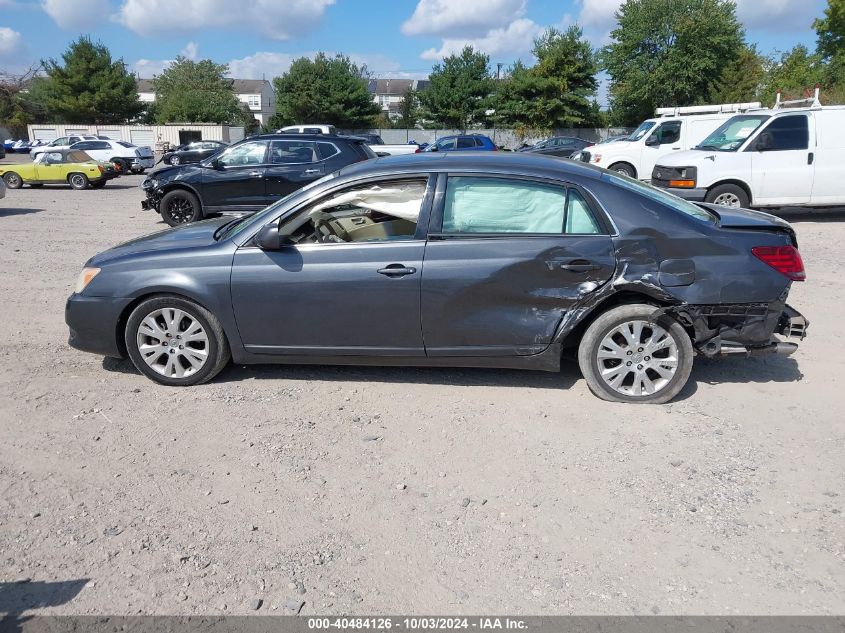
(326, 230)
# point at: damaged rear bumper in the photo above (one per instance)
(744, 329)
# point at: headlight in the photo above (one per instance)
(85, 278)
(149, 183)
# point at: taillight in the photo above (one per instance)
(784, 259)
(417, 151)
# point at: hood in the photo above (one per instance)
(609, 148)
(686, 158)
(194, 235)
(175, 172)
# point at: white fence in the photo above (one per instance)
(504, 137)
(139, 134)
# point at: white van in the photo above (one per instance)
(673, 130)
(315, 128)
(791, 155)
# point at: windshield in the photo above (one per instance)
(658, 195)
(732, 133)
(641, 131)
(232, 229)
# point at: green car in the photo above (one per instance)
(62, 166)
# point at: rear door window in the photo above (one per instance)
(465, 142)
(293, 152)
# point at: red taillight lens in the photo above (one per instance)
(417, 151)
(784, 259)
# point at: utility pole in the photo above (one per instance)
(499, 70)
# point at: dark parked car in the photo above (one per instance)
(558, 146)
(248, 175)
(463, 143)
(497, 260)
(192, 152)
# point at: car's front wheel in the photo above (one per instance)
(175, 160)
(728, 196)
(625, 357)
(175, 341)
(179, 207)
(12, 180)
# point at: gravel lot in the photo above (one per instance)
(365, 490)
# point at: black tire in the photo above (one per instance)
(78, 181)
(98, 185)
(216, 348)
(13, 180)
(37, 185)
(180, 207)
(728, 195)
(120, 165)
(625, 169)
(604, 325)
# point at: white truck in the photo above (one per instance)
(793, 154)
(672, 130)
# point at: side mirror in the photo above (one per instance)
(269, 238)
(215, 164)
(652, 140)
(433, 148)
(764, 142)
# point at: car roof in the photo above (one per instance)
(516, 163)
(301, 137)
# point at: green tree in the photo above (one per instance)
(408, 109)
(331, 90)
(556, 91)
(87, 86)
(458, 92)
(22, 101)
(741, 80)
(792, 73)
(668, 53)
(189, 92)
(830, 31)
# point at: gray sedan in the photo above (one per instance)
(464, 259)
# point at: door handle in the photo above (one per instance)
(256, 174)
(396, 270)
(309, 172)
(574, 266)
(810, 158)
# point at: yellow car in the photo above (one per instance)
(70, 166)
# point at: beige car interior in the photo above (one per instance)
(375, 212)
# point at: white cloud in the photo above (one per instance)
(275, 19)
(268, 64)
(190, 51)
(516, 39)
(451, 18)
(11, 43)
(76, 14)
(778, 15)
(147, 68)
(598, 14)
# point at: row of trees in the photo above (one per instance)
(662, 53)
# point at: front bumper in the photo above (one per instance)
(694, 195)
(93, 323)
(143, 163)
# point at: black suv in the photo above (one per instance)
(249, 175)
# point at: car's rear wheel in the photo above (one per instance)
(180, 207)
(176, 342)
(13, 180)
(625, 169)
(78, 181)
(627, 358)
(728, 196)
(175, 160)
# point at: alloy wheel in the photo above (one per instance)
(13, 181)
(174, 160)
(172, 342)
(77, 181)
(637, 358)
(727, 199)
(180, 210)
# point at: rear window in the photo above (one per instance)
(362, 149)
(660, 196)
(124, 144)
